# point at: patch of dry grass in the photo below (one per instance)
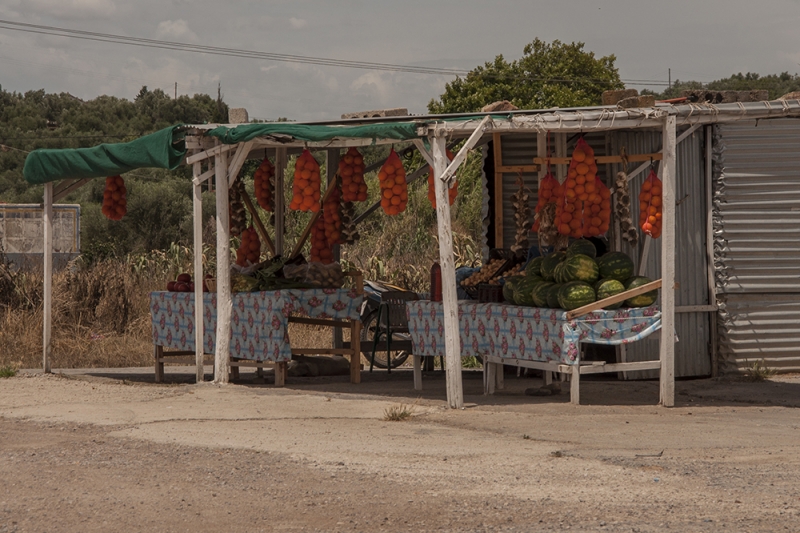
(398, 413)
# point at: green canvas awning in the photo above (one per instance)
(162, 149)
(400, 131)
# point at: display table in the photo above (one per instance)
(530, 337)
(259, 325)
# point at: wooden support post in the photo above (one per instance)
(280, 207)
(575, 385)
(47, 256)
(331, 169)
(452, 341)
(667, 343)
(280, 374)
(260, 228)
(498, 191)
(417, 372)
(224, 298)
(197, 225)
(500, 376)
(355, 334)
(489, 377)
(158, 354)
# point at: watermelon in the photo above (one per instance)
(534, 267)
(549, 264)
(575, 294)
(615, 265)
(643, 300)
(583, 247)
(508, 288)
(552, 296)
(560, 274)
(540, 293)
(605, 288)
(523, 291)
(581, 267)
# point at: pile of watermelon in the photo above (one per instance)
(576, 277)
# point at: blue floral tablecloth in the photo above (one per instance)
(526, 333)
(258, 320)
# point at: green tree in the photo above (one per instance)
(776, 84)
(547, 75)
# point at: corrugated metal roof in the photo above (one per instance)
(757, 242)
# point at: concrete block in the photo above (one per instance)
(238, 115)
(502, 105)
(613, 97)
(637, 101)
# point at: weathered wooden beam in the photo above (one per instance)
(197, 233)
(262, 230)
(224, 298)
(667, 343)
(621, 297)
(67, 187)
(47, 252)
(217, 150)
(461, 156)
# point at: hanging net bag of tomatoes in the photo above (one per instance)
(650, 205)
(394, 189)
(306, 185)
(582, 170)
(115, 203)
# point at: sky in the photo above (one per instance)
(697, 39)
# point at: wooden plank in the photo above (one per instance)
(280, 374)
(213, 152)
(620, 367)
(516, 169)
(461, 156)
(648, 242)
(355, 352)
(601, 160)
(197, 234)
(426, 155)
(157, 357)
(241, 363)
(500, 377)
(280, 208)
(202, 178)
(307, 231)
(238, 160)
(224, 298)
(65, 190)
(320, 322)
(47, 252)
(452, 341)
(498, 191)
(417, 360)
(667, 343)
(489, 378)
(696, 308)
(262, 230)
(321, 351)
(575, 385)
(621, 297)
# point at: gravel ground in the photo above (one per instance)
(89, 453)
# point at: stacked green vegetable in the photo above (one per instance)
(576, 277)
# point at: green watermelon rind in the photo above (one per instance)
(540, 293)
(523, 292)
(582, 246)
(560, 274)
(549, 264)
(643, 300)
(552, 296)
(615, 265)
(604, 289)
(508, 288)
(575, 294)
(534, 267)
(581, 267)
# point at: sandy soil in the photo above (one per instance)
(103, 450)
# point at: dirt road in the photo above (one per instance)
(90, 453)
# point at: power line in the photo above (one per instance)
(271, 56)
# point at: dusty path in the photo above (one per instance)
(88, 454)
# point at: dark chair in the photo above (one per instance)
(392, 319)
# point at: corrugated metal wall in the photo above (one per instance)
(517, 150)
(757, 242)
(693, 351)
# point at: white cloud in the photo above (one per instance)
(175, 29)
(298, 24)
(71, 9)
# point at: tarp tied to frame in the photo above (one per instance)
(400, 131)
(162, 149)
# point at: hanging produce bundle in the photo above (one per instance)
(394, 190)
(115, 204)
(650, 204)
(237, 215)
(321, 250)
(331, 213)
(596, 209)
(547, 194)
(264, 185)
(351, 169)
(580, 194)
(520, 201)
(249, 251)
(306, 186)
(452, 192)
(622, 209)
(349, 230)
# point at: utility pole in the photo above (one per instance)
(669, 75)
(176, 90)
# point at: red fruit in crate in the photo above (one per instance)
(191, 286)
(171, 286)
(181, 287)
(185, 278)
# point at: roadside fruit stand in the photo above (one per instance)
(573, 204)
